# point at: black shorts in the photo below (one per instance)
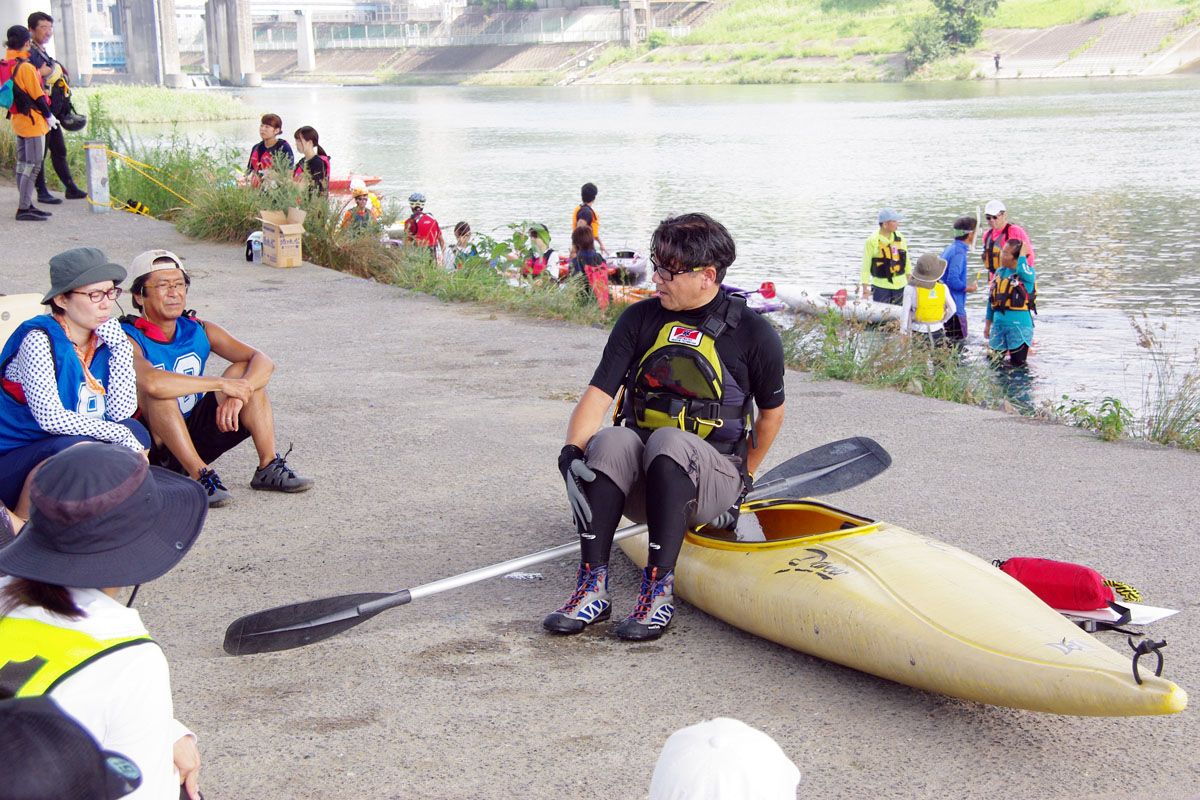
(209, 440)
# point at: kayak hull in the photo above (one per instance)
(857, 309)
(341, 184)
(901, 606)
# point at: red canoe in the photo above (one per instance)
(342, 182)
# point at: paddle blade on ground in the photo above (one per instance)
(298, 624)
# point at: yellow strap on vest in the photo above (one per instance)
(931, 303)
(46, 653)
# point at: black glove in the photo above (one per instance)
(576, 472)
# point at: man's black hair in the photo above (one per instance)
(588, 192)
(691, 241)
(18, 36)
(37, 17)
(1013, 246)
(966, 224)
(138, 287)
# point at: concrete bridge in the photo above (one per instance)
(151, 39)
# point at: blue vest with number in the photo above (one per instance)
(186, 353)
(17, 425)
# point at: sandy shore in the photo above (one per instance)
(432, 432)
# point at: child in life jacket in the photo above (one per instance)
(927, 303)
(462, 251)
(363, 214)
(1012, 301)
(588, 267)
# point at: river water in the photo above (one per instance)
(1101, 173)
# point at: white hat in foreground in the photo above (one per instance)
(723, 759)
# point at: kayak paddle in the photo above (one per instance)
(823, 470)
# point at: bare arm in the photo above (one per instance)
(163, 384)
(766, 428)
(588, 416)
(258, 366)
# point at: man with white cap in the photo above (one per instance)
(194, 418)
(723, 759)
(885, 266)
(1000, 230)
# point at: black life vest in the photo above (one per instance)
(891, 260)
(1009, 294)
(681, 382)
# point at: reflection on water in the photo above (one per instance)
(1018, 384)
(1097, 171)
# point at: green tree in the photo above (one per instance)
(953, 27)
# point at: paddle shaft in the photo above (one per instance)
(404, 596)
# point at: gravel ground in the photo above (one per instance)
(432, 432)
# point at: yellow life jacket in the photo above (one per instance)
(35, 656)
(1009, 294)
(931, 303)
(892, 259)
(681, 382)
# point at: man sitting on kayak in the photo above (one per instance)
(691, 364)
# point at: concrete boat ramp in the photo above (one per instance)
(432, 432)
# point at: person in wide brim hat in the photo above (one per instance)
(102, 519)
(68, 374)
(928, 270)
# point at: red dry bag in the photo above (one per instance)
(1070, 587)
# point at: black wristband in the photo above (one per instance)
(568, 454)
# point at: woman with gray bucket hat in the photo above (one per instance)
(927, 302)
(67, 375)
(102, 519)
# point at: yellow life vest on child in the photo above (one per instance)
(35, 657)
(931, 303)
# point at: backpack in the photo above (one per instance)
(12, 97)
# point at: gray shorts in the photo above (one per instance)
(619, 453)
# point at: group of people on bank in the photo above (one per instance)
(932, 291)
(108, 429)
(39, 111)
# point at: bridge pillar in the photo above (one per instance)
(151, 41)
(71, 45)
(306, 54)
(230, 42)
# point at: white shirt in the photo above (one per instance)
(124, 698)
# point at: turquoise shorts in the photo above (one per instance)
(1010, 336)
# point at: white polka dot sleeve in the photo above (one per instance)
(121, 401)
(33, 368)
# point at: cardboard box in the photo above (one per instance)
(281, 237)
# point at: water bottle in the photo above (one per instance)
(256, 251)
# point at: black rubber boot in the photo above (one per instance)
(43, 192)
(63, 171)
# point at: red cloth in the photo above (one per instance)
(1071, 587)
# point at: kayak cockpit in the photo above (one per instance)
(787, 520)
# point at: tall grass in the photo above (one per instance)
(830, 347)
(132, 104)
(1171, 392)
(1047, 13)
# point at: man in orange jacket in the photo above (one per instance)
(30, 117)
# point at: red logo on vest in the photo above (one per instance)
(681, 335)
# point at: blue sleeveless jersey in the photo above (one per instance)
(17, 425)
(186, 353)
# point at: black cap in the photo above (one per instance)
(47, 754)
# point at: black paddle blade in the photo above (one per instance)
(299, 624)
(827, 469)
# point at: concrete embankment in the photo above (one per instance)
(1146, 44)
(432, 432)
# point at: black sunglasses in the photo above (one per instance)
(990, 217)
(666, 274)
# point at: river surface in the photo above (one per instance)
(1101, 173)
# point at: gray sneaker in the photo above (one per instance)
(588, 604)
(278, 477)
(655, 607)
(218, 495)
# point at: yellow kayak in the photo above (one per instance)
(881, 599)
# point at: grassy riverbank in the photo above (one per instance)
(193, 186)
(138, 104)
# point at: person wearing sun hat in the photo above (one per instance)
(723, 759)
(927, 303)
(67, 375)
(885, 264)
(102, 519)
(46, 754)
